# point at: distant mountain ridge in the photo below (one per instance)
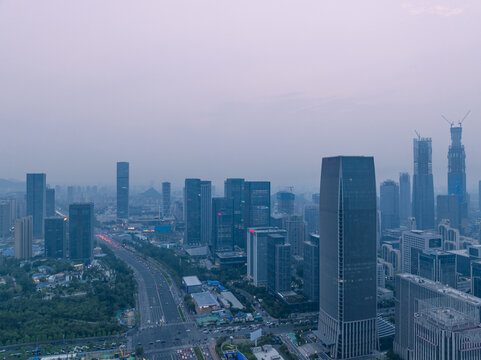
(11, 185)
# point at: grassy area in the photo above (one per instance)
(198, 353)
(181, 313)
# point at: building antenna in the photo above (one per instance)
(464, 118)
(449, 122)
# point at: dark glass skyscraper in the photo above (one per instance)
(55, 237)
(81, 231)
(205, 212)
(234, 190)
(50, 203)
(36, 201)
(192, 211)
(311, 268)
(122, 190)
(423, 188)
(257, 203)
(166, 198)
(457, 173)
(347, 261)
(404, 197)
(389, 205)
(222, 224)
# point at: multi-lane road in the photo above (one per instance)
(161, 331)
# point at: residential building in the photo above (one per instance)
(24, 237)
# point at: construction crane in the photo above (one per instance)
(464, 118)
(449, 122)
(459, 122)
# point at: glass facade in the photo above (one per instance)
(81, 230)
(347, 248)
(36, 201)
(122, 190)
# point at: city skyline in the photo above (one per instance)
(160, 77)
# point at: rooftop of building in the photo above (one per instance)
(191, 281)
(442, 289)
(445, 317)
(205, 299)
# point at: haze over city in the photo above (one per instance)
(216, 89)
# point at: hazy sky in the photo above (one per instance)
(215, 89)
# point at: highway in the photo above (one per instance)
(161, 330)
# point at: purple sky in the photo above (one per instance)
(216, 89)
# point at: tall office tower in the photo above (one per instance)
(257, 203)
(36, 201)
(311, 216)
(81, 230)
(166, 198)
(412, 295)
(347, 261)
(389, 205)
(296, 234)
(404, 197)
(457, 172)
(311, 268)
(278, 263)
(222, 224)
(50, 202)
(5, 218)
(257, 253)
(234, 190)
(438, 265)
(192, 205)
(70, 195)
(55, 237)
(205, 212)
(285, 202)
(24, 237)
(447, 208)
(423, 188)
(122, 190)
(413, 242)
